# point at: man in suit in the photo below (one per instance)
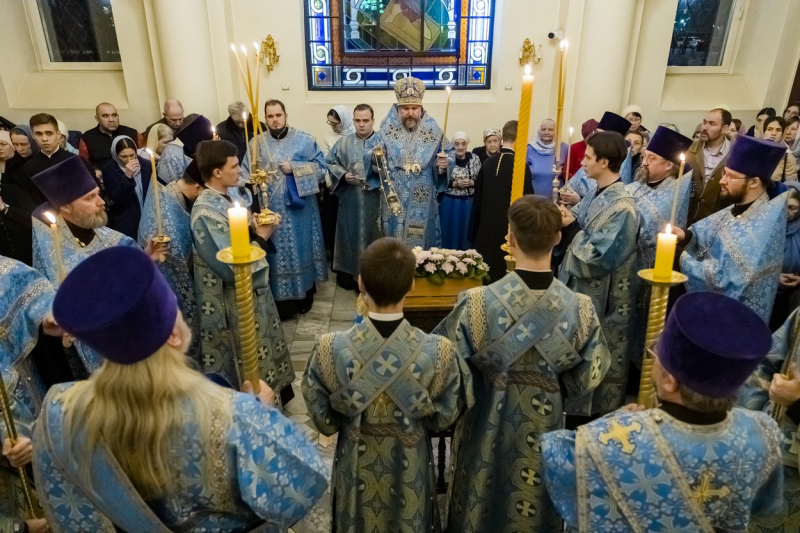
(707, 157)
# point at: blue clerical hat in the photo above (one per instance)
(194, 133)
(669, 144)
(118, 303)
(711, 343)
(65, 182)
(613, 122)
(755, 158)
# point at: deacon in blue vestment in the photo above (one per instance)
(177, 156)
(580, 185)
(541, 157)
(693, 464)
(739, 251)
(600, 261)
(382, 386)
(354, 182)
(774, 388)
(529, 341)
(74, 200)
(654, 193)
(147, 444)
(214, 280)
(420, 162)
(177, 199)
(26, 300)
(295, 168)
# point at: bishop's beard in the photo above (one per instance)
(410, 124)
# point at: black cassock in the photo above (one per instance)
(489, 223)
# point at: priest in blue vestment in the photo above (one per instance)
(73, 198)
(738, 251)
(177, 155)
(147, 444)
(354, 182)
(295, 169)
(383, 385)
(600, 260)
(653, 192)
(530, 343)
(693, 464)
(177, 198)
(420, 161)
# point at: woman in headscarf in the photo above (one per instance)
(492, 139)
(25, 147)
(64, 132)
(773, 129)
(542, 157)
(456, 203)
(786, 300)
(340, 120)
(127, 179)
(158, 138)
(16, 206)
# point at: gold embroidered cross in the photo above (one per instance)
(622, 434)
(704, 492)
(380, 406)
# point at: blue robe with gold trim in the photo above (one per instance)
(522, 346)
(754, 395)
(299, 256)
(383, 396)
(740, 257)
(601, 263)
(647, 471)
(419, 224)
(260, 464)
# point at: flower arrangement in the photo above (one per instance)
(437, 264)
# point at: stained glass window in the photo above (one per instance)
(370, 44)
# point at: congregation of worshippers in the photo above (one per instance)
(624, 357)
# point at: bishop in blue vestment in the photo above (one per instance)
(600, 261)
(220, 460)
(420, 162)
(693, 464)
(739, 251)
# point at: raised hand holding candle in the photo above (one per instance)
(240, 230)
(154, 188)
(677, 191)
(665, 254)
(56, 246)
(523, 125)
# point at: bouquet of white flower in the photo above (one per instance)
(437, 264)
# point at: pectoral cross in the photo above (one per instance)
(704, 492)
(407, 168)
(622, 434)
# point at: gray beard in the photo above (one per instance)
(86, 221)
(410, 124)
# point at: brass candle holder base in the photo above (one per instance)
(245, 310)
(656, 317)
(266, 217)
(161, 239)
(511, 261)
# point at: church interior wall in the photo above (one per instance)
(618, 55)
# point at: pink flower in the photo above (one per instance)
(430, 267)
(447, 267)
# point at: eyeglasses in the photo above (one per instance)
(331, 123)
(730, 176)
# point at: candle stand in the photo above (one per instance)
(656, 317)
(32, 509)
(245, 310)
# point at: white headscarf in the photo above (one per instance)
(540, 147)
(460, 135)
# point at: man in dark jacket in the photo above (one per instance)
(96, 142)
(233, 128)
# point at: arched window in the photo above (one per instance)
(369, 44)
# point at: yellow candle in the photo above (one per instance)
(239, 63)
(240, 233)
(521, 146)
(258, 78)
(665, 254)
(56, 246)
(562, 79)
(249, 78)
(446, 117)
(569, 154)
(154, 188)
(677, 191)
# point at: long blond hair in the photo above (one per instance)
(137, 411)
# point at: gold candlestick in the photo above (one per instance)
(160, 238)
(245, 310)
(562, 74)
(31, 506)
(656, 317)
(511, 261)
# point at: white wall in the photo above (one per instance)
(618, 53)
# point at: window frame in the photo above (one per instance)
(42, 52)
(731, 46)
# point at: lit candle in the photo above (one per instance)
(214, 133)
(239, 63)
(56, 246)
(154, 188)
(240, 233)
(665, 255)
(521, 146)
(677, 191)
(569, 154)
(249, 79)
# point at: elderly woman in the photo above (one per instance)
(127, 179)
(773, 131)
(456, 202)
(492, 139)
(542, 157)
